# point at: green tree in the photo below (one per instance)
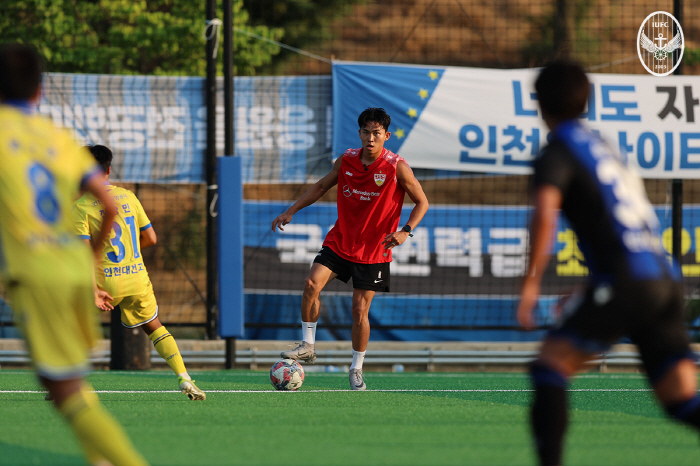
(154, 37)
(562, 33)
(308, 25)
(691, 55)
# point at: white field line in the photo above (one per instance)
(371, 375)
(599, 390)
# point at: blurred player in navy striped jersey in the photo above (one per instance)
(47, 271)
(632, 289)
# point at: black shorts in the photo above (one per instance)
(374, 277)
(650, 313)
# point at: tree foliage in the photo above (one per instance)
(154, 37)
(306, 23)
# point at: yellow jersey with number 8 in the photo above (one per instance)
(41, 170)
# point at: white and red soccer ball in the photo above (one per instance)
(287, 374)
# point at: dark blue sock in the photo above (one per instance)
(549, 413)
(687, 411)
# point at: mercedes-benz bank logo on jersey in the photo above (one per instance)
(660, 43)
(364, 195)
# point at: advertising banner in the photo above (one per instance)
(156, 125)
(487, 120)
(481, 245)
(460, 274)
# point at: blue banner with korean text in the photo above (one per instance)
(486, 120)
(479, 242)
(156, 125)
(459, 275)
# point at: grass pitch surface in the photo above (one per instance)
(429, 419)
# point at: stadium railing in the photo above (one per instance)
(417, 356)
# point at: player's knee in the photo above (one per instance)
(543, 375)
(312, 287)
(360, 315)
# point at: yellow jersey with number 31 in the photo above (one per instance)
(120, 270)
(41, 170)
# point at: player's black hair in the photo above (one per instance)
(562, 89)
(102, 154)
(375, 114)
(20, 72)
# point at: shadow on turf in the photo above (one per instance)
(20, 456)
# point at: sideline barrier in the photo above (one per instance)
(413, 356)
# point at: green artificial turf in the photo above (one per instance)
(427, 419)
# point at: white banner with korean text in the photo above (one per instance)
(486, 120)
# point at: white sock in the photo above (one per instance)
(358, 357)
(308, 331)
(185, 375)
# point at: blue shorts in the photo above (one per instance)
(651, 313)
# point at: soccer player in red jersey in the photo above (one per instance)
(372, 183)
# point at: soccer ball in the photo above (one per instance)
(287, 374)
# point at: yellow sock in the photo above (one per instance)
(93, 456)
(167, 348)
(98, 432)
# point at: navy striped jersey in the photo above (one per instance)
(606, 204)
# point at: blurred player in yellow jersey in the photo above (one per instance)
(120, 270)
(46, 270)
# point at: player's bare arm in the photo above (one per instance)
(313, 194)
(95, 184)
(547, 204)
(102, 297)
(415, 192)
(147, 238)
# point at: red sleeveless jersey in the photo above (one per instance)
(369, 207)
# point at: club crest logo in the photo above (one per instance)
(660, 43)
(379, 178)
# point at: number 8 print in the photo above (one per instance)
(44, 185)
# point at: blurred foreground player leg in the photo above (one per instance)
(46, 270)
(632, 288)
(374, 182)
(120, 270)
